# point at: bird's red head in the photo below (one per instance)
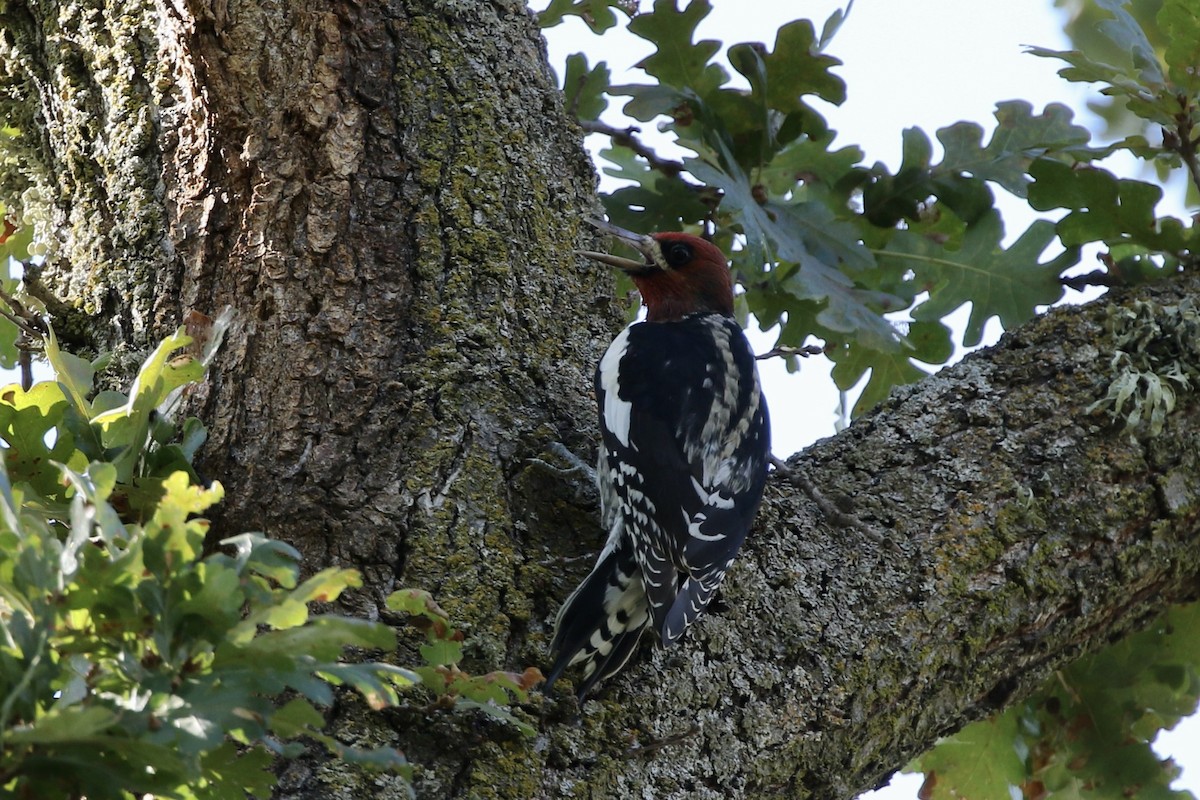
(682, 274)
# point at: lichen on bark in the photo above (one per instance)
(82, 87)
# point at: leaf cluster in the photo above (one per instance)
(1086, 735)
(129, 661)
(865, 259)
(133, 662)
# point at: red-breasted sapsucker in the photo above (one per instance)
(683, 457)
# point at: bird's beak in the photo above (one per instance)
(643, 244)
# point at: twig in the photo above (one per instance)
(783, 350)
(1189, 159)
(25, 362)
(32, 329)
(835, 515)
(1180, 140)
(1097, 277)
(558, 561)
(22, 317)
(647, 749)
(577, 464)
(626, 137)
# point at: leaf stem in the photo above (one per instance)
(26, 679)
(1180, 140)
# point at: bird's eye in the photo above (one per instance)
(677, 254)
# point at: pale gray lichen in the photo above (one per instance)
(1157, 356)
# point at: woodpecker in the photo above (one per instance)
(684, 446)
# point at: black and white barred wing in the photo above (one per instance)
(686, 442)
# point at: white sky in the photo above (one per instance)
(927, 63)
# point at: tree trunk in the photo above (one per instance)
(387, 194)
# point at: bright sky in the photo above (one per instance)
(927, 63)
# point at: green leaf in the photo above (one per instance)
(1128, 36)
(126, 427)
(1086, 734)
(271, 558)
(1145, 94)
(416, 602)
(765, 244)
(26, 421)
(848, 309)
(129, 656)
(808, 160)
(796, 67)
(376, 758)
(16, 243)
(980, 761)
(598, 14)
(1010, 284)
(9, 353)
(501, 713)
(806, 234)
(1018, 139)
(232, 775)
(584, 89)
(650, 101)
(1180, 24)
(90, 512)
(677, 61)
(103, 766)
(926, 342)
(889, 199)
(657, 202)
(1105, 209)
(13, 246)
(377, 683)
(818, 231)
(76, 375)
(296, 718)
(62, 725)
(327, 585)
(1139, 78)
(442, 652)
(833, 24)
(218, 601)
(1084, 69)
(193, 437)
(96, 483)
(323, 639)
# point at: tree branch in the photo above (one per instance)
(1022, 531)
(627, 137)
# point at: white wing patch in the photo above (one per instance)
(696, 532)
(714, 499)
(616, 410)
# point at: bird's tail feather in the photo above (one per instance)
(602, 621)
(694, 596)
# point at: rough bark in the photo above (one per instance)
(387, 193)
